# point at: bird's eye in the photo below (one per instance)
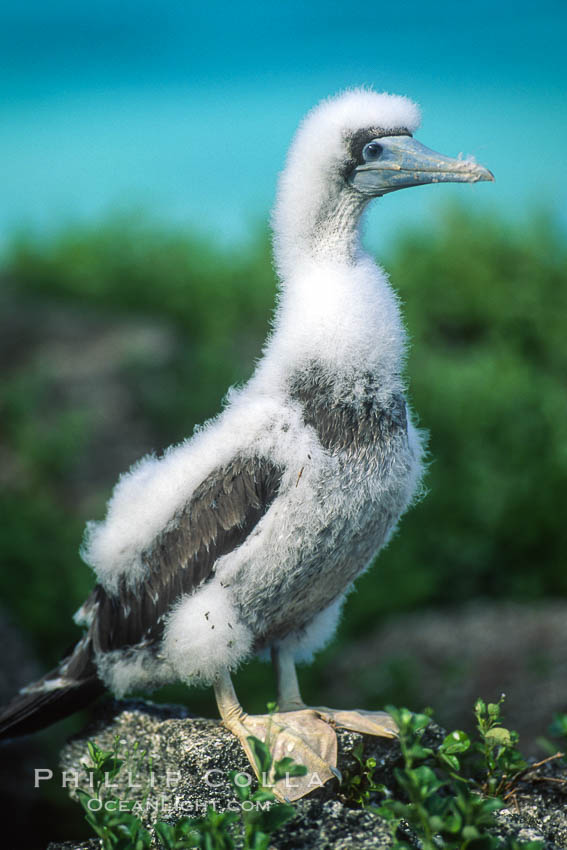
(372, 151)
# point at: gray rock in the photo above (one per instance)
(178, 765)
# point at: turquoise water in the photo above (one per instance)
(186, 110)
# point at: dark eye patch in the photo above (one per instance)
(358, 141)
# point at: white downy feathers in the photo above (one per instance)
(204, 635)
(336, 309)
(309, 183)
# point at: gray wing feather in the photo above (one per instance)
(220, 515)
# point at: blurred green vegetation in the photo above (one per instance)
(486, 307)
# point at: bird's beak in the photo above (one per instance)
(405, 162)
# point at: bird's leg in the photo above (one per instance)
(299, 735)
(357, 720)
(289, 695)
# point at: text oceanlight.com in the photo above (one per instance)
(164, 803)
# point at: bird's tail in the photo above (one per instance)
(72, 685)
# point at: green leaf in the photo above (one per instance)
(452, 820)
(242, 791)
(259, 841)
(390, 810)
(111, 766)
(421, 778)
(491, 804)
(263, 795)
(498, 737)
(92, 748)
(416, 751)
(435, 823)
(419, 721)
(261, 753)
(288, 767)
(558, 727)
(452, 761)
(455, 742)
(470, 832)
(401, 716)
(276, 816)
(166, 834)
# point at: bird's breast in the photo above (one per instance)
(328, 529)
(350, 417)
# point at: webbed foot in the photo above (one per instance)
(377, 723)
(300, 735)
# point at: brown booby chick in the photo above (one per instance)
(247, 537)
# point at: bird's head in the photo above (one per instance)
(349, 149)
(382, 161)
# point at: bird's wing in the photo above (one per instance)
(219, 516)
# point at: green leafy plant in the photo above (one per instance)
(358, 785)
(502, 761)
(109, 818)
(211, 832)
(558, 730)
(439, 806)
(444, 806)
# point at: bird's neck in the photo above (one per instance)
(338, 314)
(335, 235)
(319, 229)
(336, 308)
